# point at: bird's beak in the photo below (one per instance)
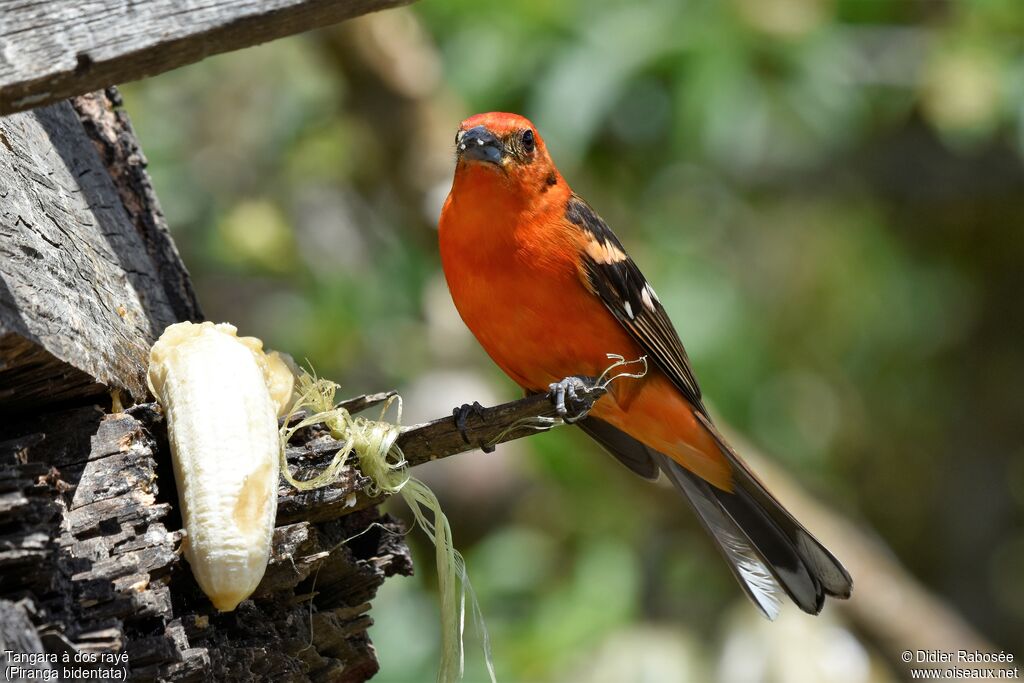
(480, 144)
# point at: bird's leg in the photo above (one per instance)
(574, 397)
(462, 413)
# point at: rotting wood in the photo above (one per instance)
(94, 552)
(53, 50)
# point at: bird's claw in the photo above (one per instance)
(580, 394)
(462, 413)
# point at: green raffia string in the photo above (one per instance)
(373, 443)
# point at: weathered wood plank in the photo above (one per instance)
(56, 49)
(88, 274)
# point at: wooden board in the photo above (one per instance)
(59, 48)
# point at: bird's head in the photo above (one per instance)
(501, 150)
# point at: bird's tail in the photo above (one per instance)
(768, 551)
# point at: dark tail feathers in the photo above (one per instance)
(767, 550)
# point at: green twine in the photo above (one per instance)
(373, 442)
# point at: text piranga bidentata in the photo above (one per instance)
(550, 292)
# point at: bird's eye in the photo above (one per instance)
(528, 142)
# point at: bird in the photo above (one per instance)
(550, 293)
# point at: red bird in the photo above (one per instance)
(550, 292)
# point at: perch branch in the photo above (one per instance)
(440, 438)
(420, 443)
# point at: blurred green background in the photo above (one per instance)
(827, 194)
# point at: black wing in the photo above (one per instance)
(614, 277)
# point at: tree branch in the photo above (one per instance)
(440, 438)
(420, 443)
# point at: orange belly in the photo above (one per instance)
(540, 324)
(540, 333)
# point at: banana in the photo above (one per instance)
(215, 390)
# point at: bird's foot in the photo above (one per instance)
(462, 413)
(574, 397)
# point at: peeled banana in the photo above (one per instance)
(221, 395)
